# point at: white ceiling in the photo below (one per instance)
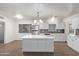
(47, 10)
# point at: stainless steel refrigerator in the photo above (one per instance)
(2, 26)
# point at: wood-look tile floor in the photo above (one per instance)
(15, 49)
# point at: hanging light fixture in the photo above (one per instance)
(38, 21)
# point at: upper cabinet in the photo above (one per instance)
(24, 28)
(75, 24)
(60, 25)
(34, 27)
(44, 26)
(74, 20)
(52, 26)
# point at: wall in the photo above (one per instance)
(10, 30)
(9, 34)
(72, 40)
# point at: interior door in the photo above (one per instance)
(2, 32)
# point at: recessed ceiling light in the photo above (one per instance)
(19, 16)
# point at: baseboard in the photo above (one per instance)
(60, 41)
(38, 54)
(11, 42)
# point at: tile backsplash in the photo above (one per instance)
(28, 28)
(51, 30)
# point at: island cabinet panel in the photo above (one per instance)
(38, 44)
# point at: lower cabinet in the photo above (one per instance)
(76, 45)
(73, 42)
(59, 37)
(38, 45)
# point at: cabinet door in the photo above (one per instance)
(52, 26)
(35, 27)
(60, 26)
(75, 45)
(24, 28)
(38, 45)
(44, 26)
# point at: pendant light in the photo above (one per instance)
(38, 21)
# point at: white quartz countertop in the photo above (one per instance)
(37, 36)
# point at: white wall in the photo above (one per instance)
(9, 34)
(10, 31)
(72, 40)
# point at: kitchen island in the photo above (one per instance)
(37, 43)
